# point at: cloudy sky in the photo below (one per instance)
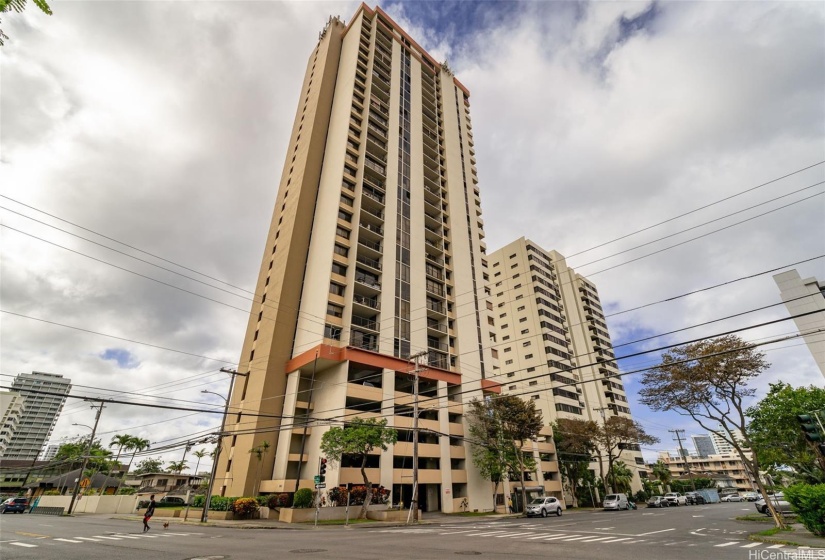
(159, 129)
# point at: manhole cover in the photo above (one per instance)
(468, 552)
(308, 550)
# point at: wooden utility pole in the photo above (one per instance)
(100, 408)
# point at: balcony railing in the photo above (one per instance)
(376, 197)
(367, 280)
(436, 306)
(366, 301)
(436, 326)
(369, 262)
(373, 228)
(365, 323)
(436, 345)
(374, 245)
(376, 213)
(366, 341)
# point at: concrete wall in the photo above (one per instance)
(92, 504)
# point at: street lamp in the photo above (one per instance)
(208, 499)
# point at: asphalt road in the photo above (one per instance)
(646, 534)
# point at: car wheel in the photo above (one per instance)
(544, 512)
(558, 512)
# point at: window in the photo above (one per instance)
(490, 305)
(341, 250)
(346, 216)
(520, 308)
(533, 383)
(522, 320)
(531, 369)
(507, 349)
(508, 362)
(504, 326)
(514, 266)
(528, 356)
(517, 286)
(505, 338)
(535, 397)
(502, 316)
(525, 344)
(336, 289)
(339, 269)
(497, 274)
(513, 256)
(342, 232)
(494, 352)
(347, 200)
(490, 321)
(511, 374)
(333, 332)
(512, 387)
(335, 310)
(525, 331)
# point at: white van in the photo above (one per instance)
(615, 501)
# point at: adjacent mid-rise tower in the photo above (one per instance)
(806, 297)
(374, 255)
(553, 346)
(44, 395)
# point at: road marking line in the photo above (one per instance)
(537, 537)
(485, 534)
(577, 538)
(27, 545)
(66, 540)
(560, 537)
(751, 545)
(654, 532)
(87, 539)
(126, 537)
(731, 543)
(149, 536)
(618, 540)
(511, 535)
(674, 543)
(597, 539)
(777, 546)
(457, 532)
(107, 538)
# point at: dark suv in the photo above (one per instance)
(14, 505)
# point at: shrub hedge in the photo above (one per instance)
(303, 498)
(808, 501)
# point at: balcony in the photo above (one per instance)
(435, 259)
(437, 345)
(364, 323)
(434, 245)
(436, 327)
(434, 272)
(375, 264)
(364, 301)
(373, 246)
(367, 280)
(436, 308)
(366, 341)
(376, 197)
(436, 359)
(371, 230)
(372, 214)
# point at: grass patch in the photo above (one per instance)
(773, 531)
(756, 517)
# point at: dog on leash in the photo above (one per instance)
(166, 525)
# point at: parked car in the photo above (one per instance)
(657, 502)
(177, 500)
(731, 498)
(779, 503)
(750, 496)
(543, 507)
(676, 499)
(692, 498)
(615, 501)
(14, 505)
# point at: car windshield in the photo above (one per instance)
(611, 497)
(537, 501)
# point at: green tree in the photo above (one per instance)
(19, 6)
(575, 446)
(662, 473)
(260, 452)
(358, 439)
(121, 441)
(775, 434)
(708, 381)
(621, 476)
(616, 433)
(520, 421)
(489, 449)
(74, 451)
(200, 455)
(149, 466)
(136, 445)
(178, 466)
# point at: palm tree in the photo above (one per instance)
(200, 455)
(177, 466)
(622, 476)
(122, 441)
(259, 451)
(662, 472)
(135, 445)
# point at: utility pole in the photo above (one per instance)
(685, 457)
(416, 370)
(85, 457)
(208, 498)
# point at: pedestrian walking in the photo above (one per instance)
(150, 511)
(510, 504)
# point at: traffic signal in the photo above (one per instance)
(810, 427)
(322, 469)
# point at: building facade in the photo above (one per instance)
(11, 412)
(720, 464)
(44, 395)
(703, 444)
(375, 254)
(806, 296)
(552, 346)
(49, 452)
(721, 446)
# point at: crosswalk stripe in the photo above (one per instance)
(27, 545)
(559, 537)
(618, 540)
(107, 538)
(577, 538)
(597, 539)
(485, 534)
(731, 543)
(67, 540)
(510, 535)
(538, 537)
(751, 545)
(150, 536)
(458, 532)
(126, 537)
(87, 539)
(777, 546)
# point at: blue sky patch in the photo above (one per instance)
(124, 358)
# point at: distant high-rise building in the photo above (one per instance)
(806, 296)
(721, 446)
(11, 411)
(703, 444)
(375, 253)
(49, 452)
(552, 343)
(44, 395)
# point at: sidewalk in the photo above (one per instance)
(800, 536)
